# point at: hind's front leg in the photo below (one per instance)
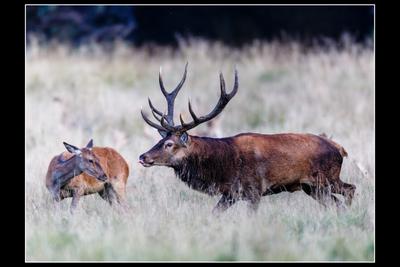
(76, 195)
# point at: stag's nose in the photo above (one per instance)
(145, 161)
(142, 158)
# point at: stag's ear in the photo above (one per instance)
(184, 138)
(72, 149)
(90, 144)
(163, 133)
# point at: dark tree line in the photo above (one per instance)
(234, 25)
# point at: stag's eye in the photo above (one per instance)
(168, 145)
(91, 161)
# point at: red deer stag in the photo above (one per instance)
(86, 171)
(249, 165)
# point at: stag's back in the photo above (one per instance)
(285, 158)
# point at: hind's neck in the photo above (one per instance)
(65, 171)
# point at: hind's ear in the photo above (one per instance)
(72, 149)
(90, 144)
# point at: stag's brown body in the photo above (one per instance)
(114, 166)
(249, 165)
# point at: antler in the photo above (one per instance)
(170, 97)
(167, 121)
(222, 102)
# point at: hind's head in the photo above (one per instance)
(86, 161)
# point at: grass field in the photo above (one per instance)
(73, 95)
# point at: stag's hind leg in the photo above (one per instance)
(223, 204)
(345, 189)
(339, 187)
(253, 203)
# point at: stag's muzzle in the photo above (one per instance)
(145, 161)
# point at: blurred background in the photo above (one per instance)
(90, 70)
(233, 25)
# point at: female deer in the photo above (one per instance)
(86, 171)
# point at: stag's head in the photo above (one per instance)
(86, 161)
(175, 143)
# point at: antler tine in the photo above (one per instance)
(152, 124)
(192, 113)
(162, 84)
(180, 118)
(156, 116)
(179, 86)
(153, 108)
(235, 86)
(222, 84)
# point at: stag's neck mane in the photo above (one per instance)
(208, 163)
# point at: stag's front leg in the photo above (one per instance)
(253, 204)
(223, 204)
(253, 195)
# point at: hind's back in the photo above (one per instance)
(114, 165)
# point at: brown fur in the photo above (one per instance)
(113, 164)
(248, 166)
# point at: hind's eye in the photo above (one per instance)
(91, 161)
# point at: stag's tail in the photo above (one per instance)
(341, 149)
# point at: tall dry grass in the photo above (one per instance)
(91, 92)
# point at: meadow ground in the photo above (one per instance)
(93, 92)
